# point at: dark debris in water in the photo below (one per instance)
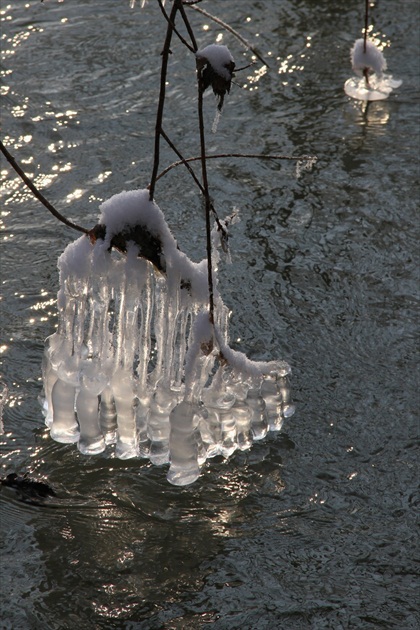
(28, 490)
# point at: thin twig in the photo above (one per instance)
(208, 204)
(159, 115)
(236, 155)
(174, 29)
(366, 25)
(182, 160)
(193, 175)
(37, 192)
(231, 30)
(206, 194)
(188, 27)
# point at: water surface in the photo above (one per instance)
(315, 526)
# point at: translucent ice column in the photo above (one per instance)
(49, 375)
(186, 451)
(91, 439)
(184, 468)
(95, 366)
(108, 416)
(64, 427)
(258, 411)
(123, 383)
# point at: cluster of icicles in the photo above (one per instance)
(135, 362)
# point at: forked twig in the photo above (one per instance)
(244, 41)
(174, 29)
(296, 158)
(188, 27)
(182, 160)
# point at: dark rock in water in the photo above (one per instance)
(29, 491)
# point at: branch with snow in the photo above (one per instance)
(369, 64)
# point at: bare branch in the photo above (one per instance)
(366, 25)
(188, 27)
(182, 160)
(259, 156)
(174, 29)
(244, 41)
(159, 115)
(37, 192)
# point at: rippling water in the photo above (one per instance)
(314, 527)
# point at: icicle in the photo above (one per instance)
(158, 425)
(287, 408)
(91, 439)
(221, 434)
(122, 389)
(183, 445)
(272, 393)
(108, 416)
(257, 407)
(228, 432)
(123, 381)
(217, 117)
(49, 375)
(241, 412)
(64, 427)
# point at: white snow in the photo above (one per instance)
(130, 208)
(219, 57)
(376, 85)
(372, 59)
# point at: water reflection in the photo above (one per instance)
(370, 114)
(126, 542)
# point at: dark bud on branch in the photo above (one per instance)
(150, 247)
(216, 68)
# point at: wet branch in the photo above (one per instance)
(244, 41)
(206, 193)
(182, 160)
(259, 156)
(162, 92)
(188, 27)
(366, 25)
(173, 27)
(37, 192)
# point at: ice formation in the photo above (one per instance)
(369, 64)
(135, 361)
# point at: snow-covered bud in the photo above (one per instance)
(216, 65)
(371, 60)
